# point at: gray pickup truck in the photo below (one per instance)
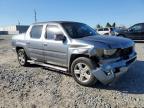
(75, 48)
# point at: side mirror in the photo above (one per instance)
(60, 37)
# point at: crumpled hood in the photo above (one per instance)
(111, 41)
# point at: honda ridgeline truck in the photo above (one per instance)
(77, 49)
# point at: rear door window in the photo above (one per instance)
(36, 31)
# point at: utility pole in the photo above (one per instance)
(35, 16)
(18, 22)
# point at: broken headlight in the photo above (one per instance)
(109, 52)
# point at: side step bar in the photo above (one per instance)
(47, 65)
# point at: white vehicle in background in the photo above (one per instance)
(106, 31)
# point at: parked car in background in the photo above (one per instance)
(135, 32)
(75, 48)
(106, 31)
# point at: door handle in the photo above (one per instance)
(45, 44)
(28, 43)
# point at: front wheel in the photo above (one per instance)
(22, 58)
(81, 70)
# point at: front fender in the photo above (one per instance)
(83, 50)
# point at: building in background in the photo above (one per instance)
(13, 29)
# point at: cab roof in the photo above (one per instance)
(54, 22)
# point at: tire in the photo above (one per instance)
(81, 70)
(22, 57)
(121, 35)
(107, 34)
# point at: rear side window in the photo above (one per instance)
(106, 29)
(52, 32)
(111, 29)
(142, 27)
(36, 31)
(100, 29)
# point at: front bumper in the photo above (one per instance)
(111, 69)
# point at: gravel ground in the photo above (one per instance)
(39, 87)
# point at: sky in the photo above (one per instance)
(91, 12)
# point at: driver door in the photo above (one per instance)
(55, 50)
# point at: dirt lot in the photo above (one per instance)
(38, 87)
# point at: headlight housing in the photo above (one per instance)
(105, 52)
(109, 52)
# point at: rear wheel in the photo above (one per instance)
(81, 70)
(22, 57)
(121, 35)
(106, 34)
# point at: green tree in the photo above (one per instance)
(114, 25)
(98, 26)
(108, 25)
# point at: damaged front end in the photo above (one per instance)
(109, 69)
(112, 55)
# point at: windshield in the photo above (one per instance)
(78, 30)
